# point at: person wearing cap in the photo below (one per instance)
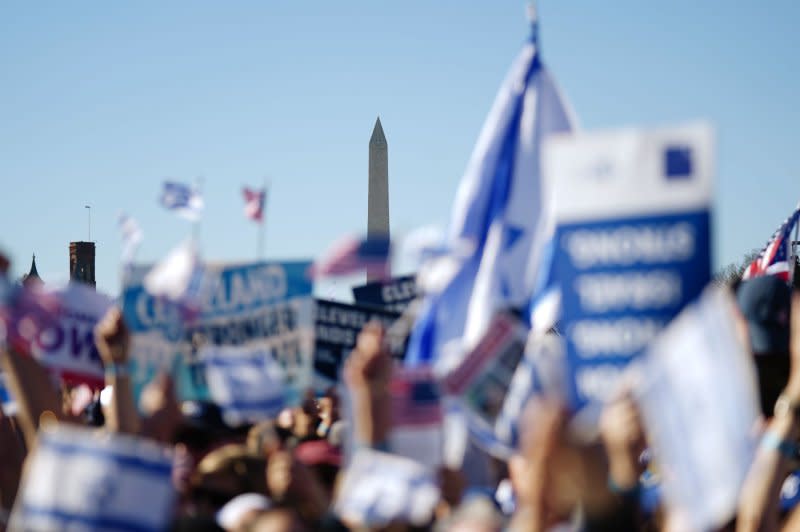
(765, 304)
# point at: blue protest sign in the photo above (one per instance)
(263, 304)
(631, 243)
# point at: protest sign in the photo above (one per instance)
(699, 401)
(631, 244)
(394, 294)
(264, 304)
(77, 479)
(66, 345)
(417, 416)
(246, 382)
(337, 326)
(483, 377)
(379, 488)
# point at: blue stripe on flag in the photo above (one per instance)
(147, 466)
(65, 519)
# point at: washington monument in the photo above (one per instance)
(378, 201)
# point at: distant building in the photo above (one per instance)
(81, 262)
(32, 277)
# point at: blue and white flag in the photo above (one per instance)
(246, 382)
(186, 201)
(131, 237)
(179, 278)
(380, 488)
(76, 479)
(498, 215)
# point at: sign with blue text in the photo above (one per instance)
(631, 244)
(265, 305)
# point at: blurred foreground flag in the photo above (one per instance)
(131, 236)
(353, 254)
(186, 201)
(79, 480)
(180, 277)
(775, 258)
(254, 201)
(497, 215)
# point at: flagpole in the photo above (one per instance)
(262, 224)
(196, 223)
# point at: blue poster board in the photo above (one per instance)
(631, 246)
(263, 304)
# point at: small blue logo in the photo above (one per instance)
(678, 162)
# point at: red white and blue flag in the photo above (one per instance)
(775, 258)
(353, 254)
(416, 399)
(254, 201)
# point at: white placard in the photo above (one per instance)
(699, 401)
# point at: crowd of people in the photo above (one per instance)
(286, 473)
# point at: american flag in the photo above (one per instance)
(254, 201)
(774, 259)
(353, 254)
(416, 399)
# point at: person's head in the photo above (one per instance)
(263, 438)
(323, 459)
(225, 473)
(765, 304)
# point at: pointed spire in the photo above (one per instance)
(33, 275)
(33, 271)
(377, 138)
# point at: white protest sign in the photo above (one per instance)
(631, 244)
(67, 345)
(379, 488)
(81, 480)
(699, 400)
(246, 382)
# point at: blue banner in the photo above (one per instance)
(264, 304)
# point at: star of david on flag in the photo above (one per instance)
(499, 211)
(186, 201)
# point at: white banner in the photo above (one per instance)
(67, 347)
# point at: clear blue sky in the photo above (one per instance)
(102, 101)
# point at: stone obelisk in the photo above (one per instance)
(378, 202)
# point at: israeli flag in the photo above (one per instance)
(247, 382)
(186, 201)
(498, 216)
(80, 480)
